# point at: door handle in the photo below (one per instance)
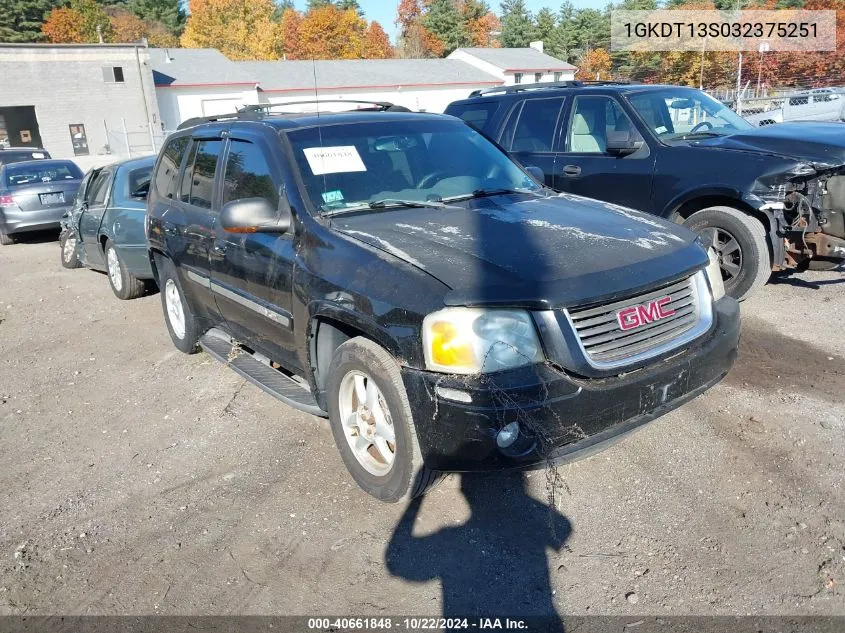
(572, 170)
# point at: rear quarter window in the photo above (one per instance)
(167, 171)
(479, 115)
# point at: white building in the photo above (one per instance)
(203, 82)
(517, 65)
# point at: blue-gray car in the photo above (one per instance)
(105, 228)
(34, 195)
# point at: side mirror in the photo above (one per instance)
(142, 192)
(623, 143)
(536, 173)
(254, 215)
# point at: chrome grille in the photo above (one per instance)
(606, 345)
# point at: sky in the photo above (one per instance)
(384, 11)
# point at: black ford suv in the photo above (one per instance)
(769, 198)
(399, 274)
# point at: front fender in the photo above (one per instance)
(705, 191)
(327, 309)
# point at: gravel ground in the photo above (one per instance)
(138, 480)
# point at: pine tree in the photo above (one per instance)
(168, 12)
(444, 21)
(20, 20)
(564, 37)
(518, 28)
(345, 5)
(546, 23)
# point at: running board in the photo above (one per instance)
(222, 347)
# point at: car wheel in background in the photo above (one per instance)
(372, 423)
(68, 243)
(123, 283)
(740, 242)
(824, 263)
(183, 327)
(6, 239)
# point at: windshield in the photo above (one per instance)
(391, 162)
(673, 113)
(40, 171)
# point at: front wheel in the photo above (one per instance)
(740, 242)
(68, 244)
(372, 423)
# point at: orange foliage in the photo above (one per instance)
(594, 64)
(289, 33)
(331, 33)
(480, 30)
(126, 26)
(240, 29)
(376, 43)
(64, 25)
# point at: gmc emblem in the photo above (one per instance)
(635, 316)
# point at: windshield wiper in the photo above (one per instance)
(387, 203)
(702, 134)
(485, 193)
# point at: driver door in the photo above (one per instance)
(587, 169)
(532, 134)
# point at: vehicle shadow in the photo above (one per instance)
(37, 237)
(494, 565)
(787, 280)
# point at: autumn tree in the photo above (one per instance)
(240, 29)
(481, 23)
(330, 33)
(126, 26)
(83, 21)
(376, 43)
(415, 41)
(594, 64)
(20, 20)
(288, 33)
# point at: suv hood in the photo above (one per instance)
(527, 251)
(822, 144)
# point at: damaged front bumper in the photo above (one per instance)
(806, 212)
(559, 416)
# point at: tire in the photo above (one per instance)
(68, 244)
(824, 263)
(742, 246)
(186, 337)
(6, 239)
(405, 477)
(123, 283)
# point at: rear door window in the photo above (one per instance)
(533, 127)
(198, 180)
(167, 171)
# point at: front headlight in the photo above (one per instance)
(478, 340)
(714, 275)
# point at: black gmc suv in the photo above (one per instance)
(399, 274)
(769, 198)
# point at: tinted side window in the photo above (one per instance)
(476, 114)
(248, 174)
(168, 167)
(198, 181)
(535, 129)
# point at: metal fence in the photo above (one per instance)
(130, 141)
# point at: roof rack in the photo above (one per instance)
(257, 112)
(377, 106)
(547, 85)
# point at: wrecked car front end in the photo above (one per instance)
(805, 205)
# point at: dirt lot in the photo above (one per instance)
(135, 480)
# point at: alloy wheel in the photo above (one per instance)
(367, 423)
(729, 251)
(175, 313)
(114, 269)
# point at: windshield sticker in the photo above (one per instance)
(661, 130)
(38, 154)
(333, 196)
(334, 160)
